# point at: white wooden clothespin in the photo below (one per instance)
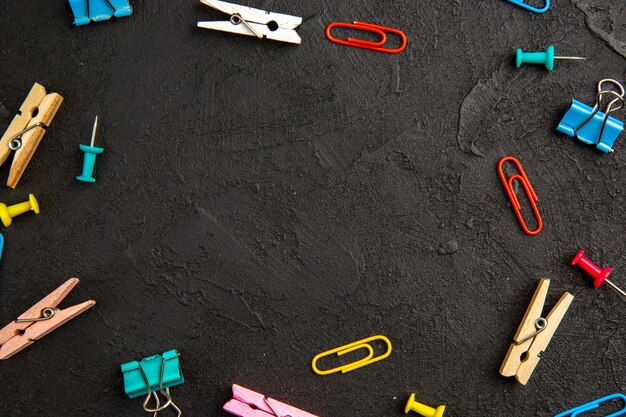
(36, 114)
(39, 320)
(254, 22)
(534, 334)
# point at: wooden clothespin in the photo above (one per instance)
(247, 403)
(39, 320)
(36, 114)
(534, 334)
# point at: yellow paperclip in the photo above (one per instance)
(351, 347)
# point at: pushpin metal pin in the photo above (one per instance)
(8, 212)
(89, 159)
(422, 409)
(598, 274)
(547, 58)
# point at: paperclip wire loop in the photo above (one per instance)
(595, 404)
(533, 9)
(530, 192)
(364, 44)
(352, 347)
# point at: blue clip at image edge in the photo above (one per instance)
(99, 10)
(589, 133)
(134, 383)
(1, 244)
(592, 405)
(533, 9)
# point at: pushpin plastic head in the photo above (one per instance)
(546, 58)
(8, 212)
(89, 162)
(89, 159)
(598, 274)
(422, 409)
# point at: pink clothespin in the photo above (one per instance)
(247, 403)
(39, 320)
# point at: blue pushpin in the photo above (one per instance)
(547, 58)
(90, 156)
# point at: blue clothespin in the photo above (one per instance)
(592, 126)
(99, 10)
(151, 375)
(520, 3)
(574, 412)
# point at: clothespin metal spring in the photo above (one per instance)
(540, 325)
(15, 142)
(46, 314)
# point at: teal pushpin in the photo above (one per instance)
(547, 58)
(90, 156)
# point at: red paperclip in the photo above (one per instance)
(532, 197)
(371, 45)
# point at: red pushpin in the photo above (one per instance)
(598, 274)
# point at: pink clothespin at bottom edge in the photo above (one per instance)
(247, 403)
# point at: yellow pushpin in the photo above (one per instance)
(422, 409)
(7, 213)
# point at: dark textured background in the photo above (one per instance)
(260, 202)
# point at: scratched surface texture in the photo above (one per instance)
(258, 203)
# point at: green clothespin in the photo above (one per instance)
(547, 58)
(89, 159)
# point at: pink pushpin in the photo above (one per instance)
(598, 274)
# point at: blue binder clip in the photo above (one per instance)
(154, 374)
(520, 3)
(86, 11)
(594, 405)
(592, 126)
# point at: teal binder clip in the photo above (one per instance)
(86, 11)
(589, 124)
(534, 9)
(593, 405)
(151, 375)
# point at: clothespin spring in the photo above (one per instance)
(16, 141)
(46, 314)
(269, 404)
(236, 19)
(165, 393)
(540, 325)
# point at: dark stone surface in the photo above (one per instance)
(258, 203)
